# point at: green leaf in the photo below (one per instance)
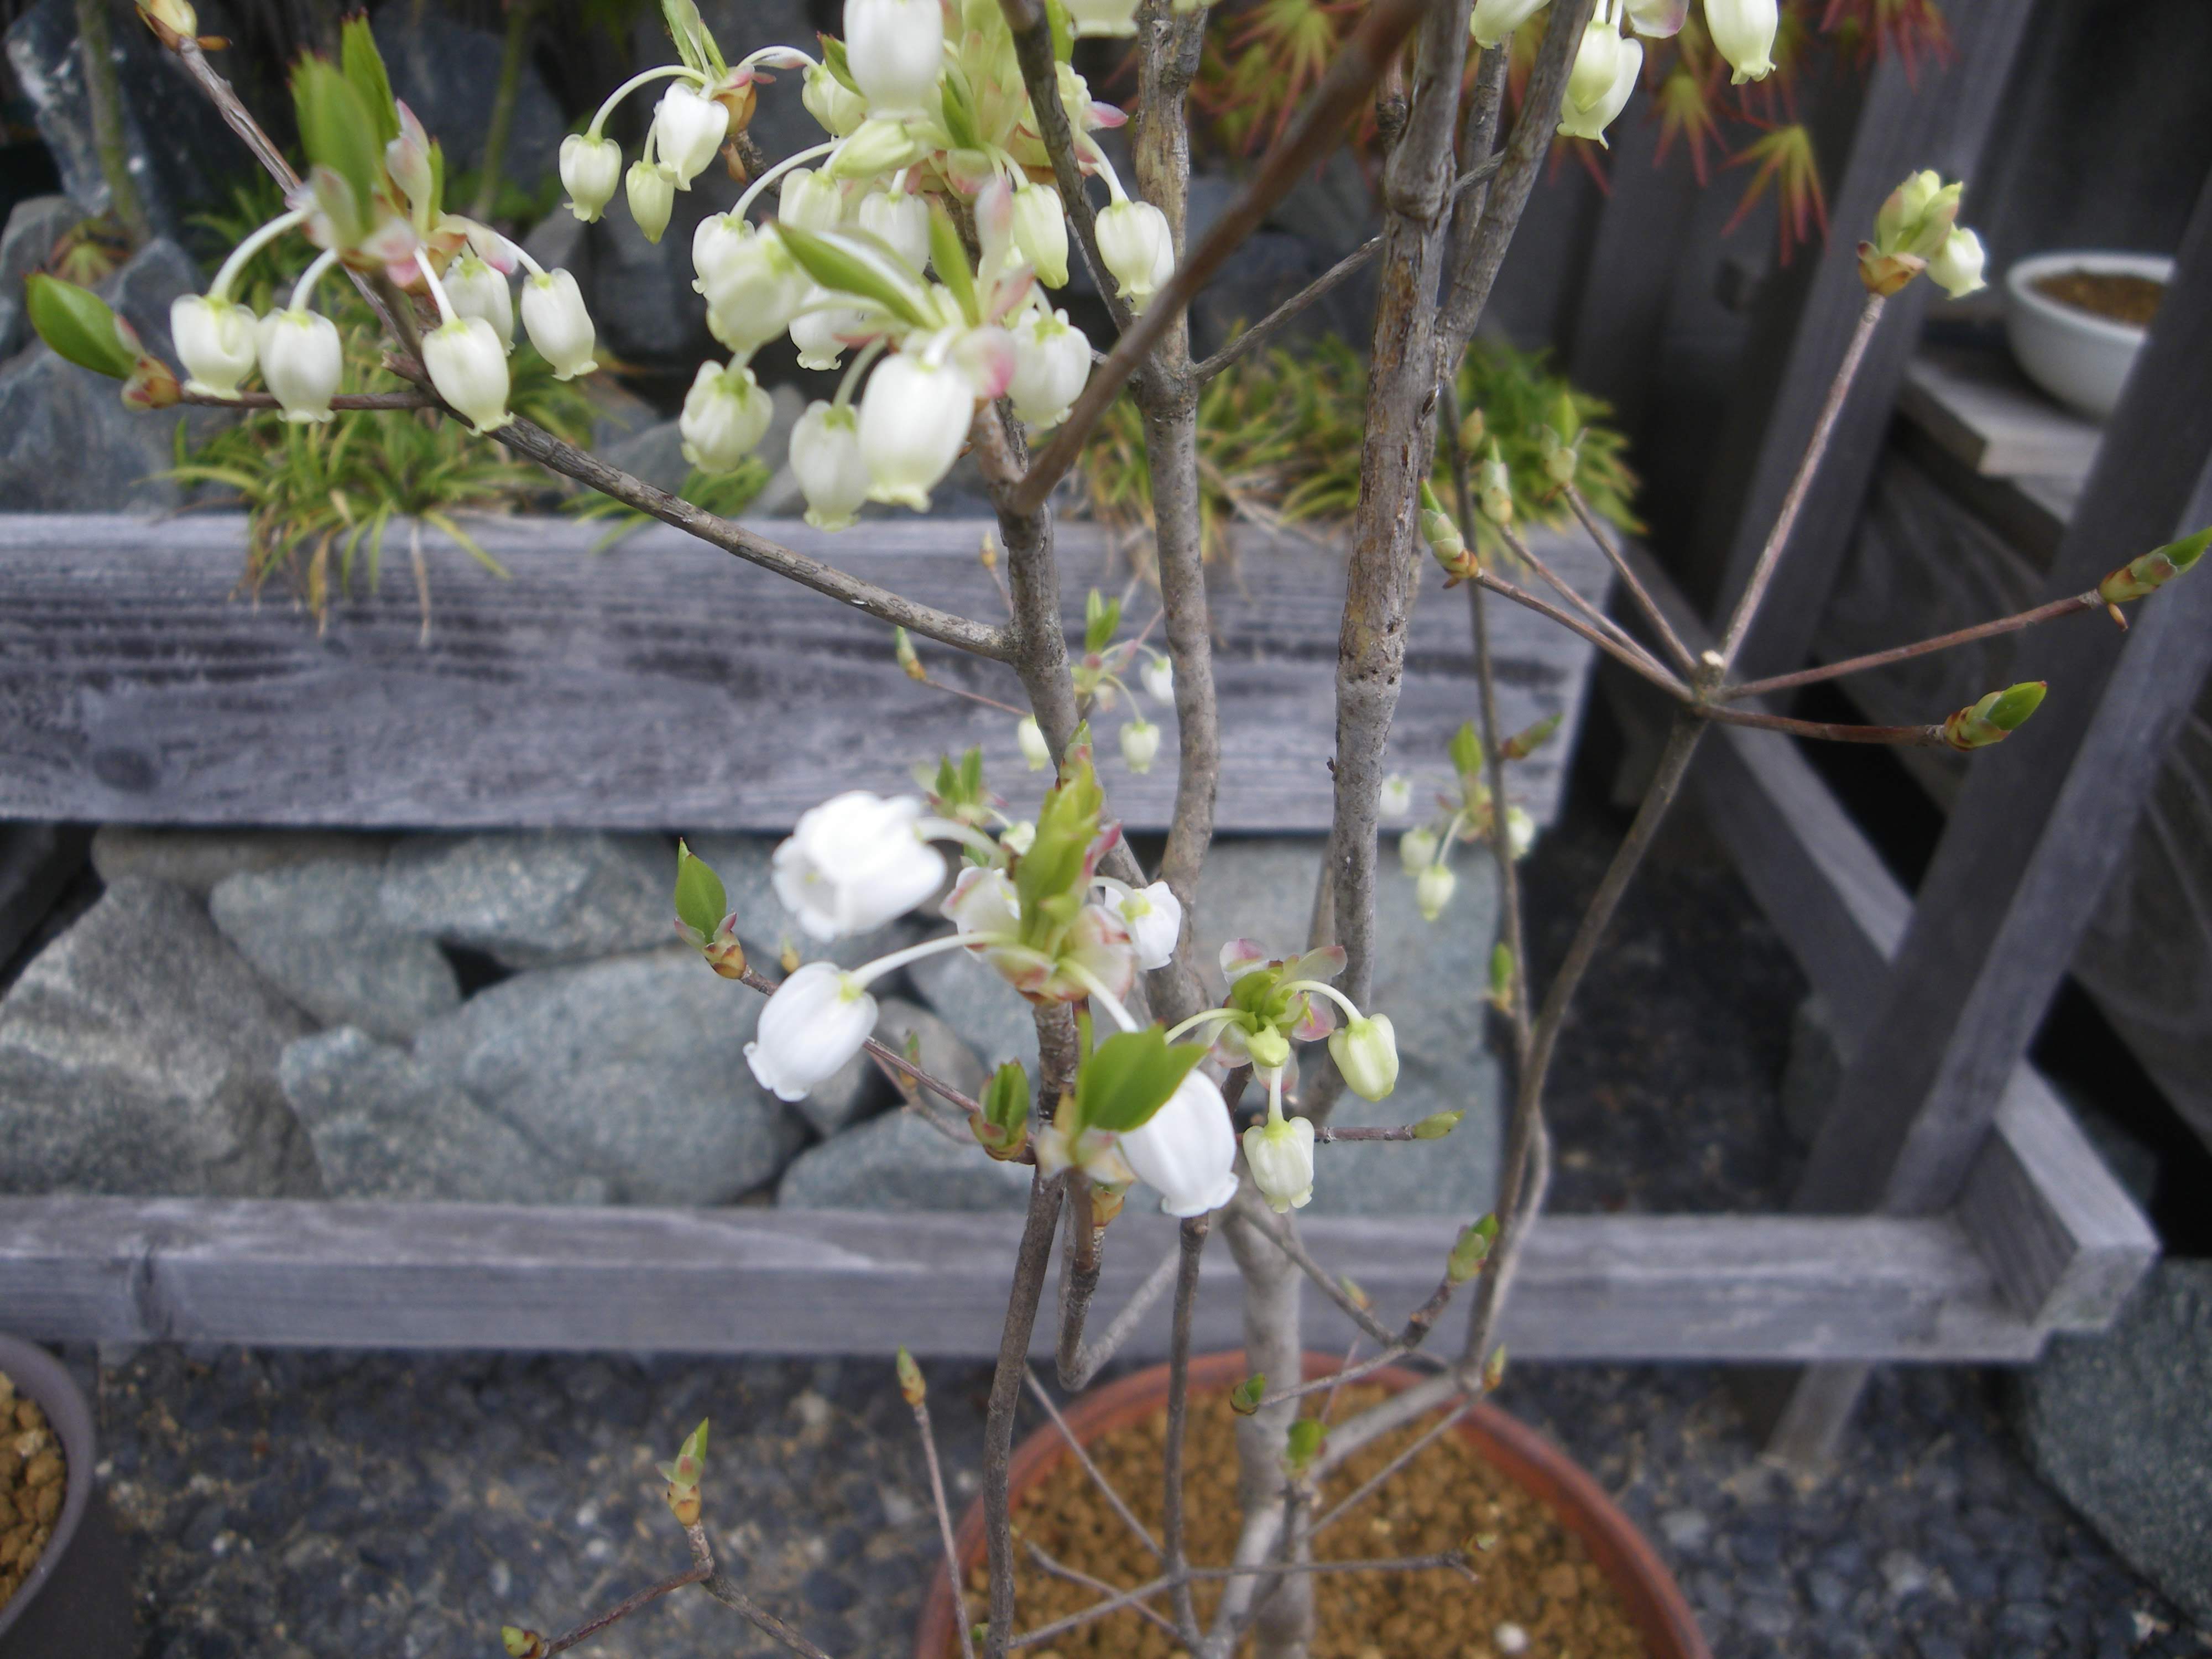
(1006, 1099)
(701, 900)
(833, 59)
(1130, 1076)
(958, 106)
(1048, 877)
(340, 135)
(80, 326)
(1305, 1437)
(363, 66)
(845, 265)
(1063, 30)
(1525, 742)
(1102, 620)
(951, 258)
(1467, 751)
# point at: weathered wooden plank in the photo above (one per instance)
(285, 1272)
(1979, 407)
(662, 684)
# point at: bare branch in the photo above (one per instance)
(1194, 1231)
(920, 1403)
(1114, 1500)
(1450, 1558)
(1895, 737)
(1252, 1209)
(1061, 1570)
(726, 1590)
(1637, 661)
(1590, 612)
(1645, 603)
(624, 1608)
(2089, 601)
(1115, 1603)
(1097, 1352)
(1080, 1262)
(1373, 1484)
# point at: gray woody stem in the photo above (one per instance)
(1653, 615)
(1173, 1560)
(920, 1403)
(1113, 1499)
(2091, 600)
(103, 92)
(731, 1595)
(1080, 1263)
(1097, 1351)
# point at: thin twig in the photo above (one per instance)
(910, 1095)
(1645, 603)
(1640, 663)
(1074, 1576)
(1194, 1229)
(624, 1608)
(1097, 1352)
(1898, 736)
(944, 1523)
(2041, 613)
(1373, 1484)
(1566, 590)
(1083, 1616)
(1114, 1500)
(1271, 1226)
(1347, 1372)
(1326, 1133)
(731, 1595)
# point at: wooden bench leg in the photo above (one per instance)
(1799, 1412)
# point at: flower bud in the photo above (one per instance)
(1441, 531)
(1600, 81)
(520, 1643)
(912, 1389)
(902, 222)
(1471, 1250)
(1416, 849)
(1436, 1125)
(825, 459)
(1140, 744)
(651, 189)
(554, 317)
(810, 200)
(1030, 737)
(878, 145)
(215, 340)
(1743, 33)
(1052, 361)
(468, 365)
(1995, 718)
(726, 414)
(895, 50)
(1269, 1048)
(839, 108)
(688, 128)
(914, 420)
(591, 172)
(1106, 17)
(1279, 1154)
(1432, 891)
(2146, 573)
(1138, 248)
(1493, 20)
(302, 361)
(1957, 267)
(1040, 231)
(1365, 1050)
(1397, 796)
(1493, 484)
(478, 290)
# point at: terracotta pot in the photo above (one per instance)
(1647, 1590)
(77, 1602)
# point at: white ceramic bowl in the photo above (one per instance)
(2081, 359)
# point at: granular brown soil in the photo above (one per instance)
(2111, 294)
(1534, 1574)
(32, 1480)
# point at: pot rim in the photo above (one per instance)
(39, 1374)
(2021, 277)
(1653, 1601)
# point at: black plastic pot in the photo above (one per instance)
(77, 1602)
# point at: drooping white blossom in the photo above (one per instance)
(726, 415)
(825, 459)
(302, 362)
(914, 420)
(468, 365)
(1052, 361)
(814, 1022)
(1138, 248)
(689, 127)
(1743, 33)
(215, 340)
(1187, 1152)
(856, 862)
(478, 290)
(559, 325)
(1279, 1154)
(895, 50)
(591, 172)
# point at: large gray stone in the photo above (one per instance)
(445, 72)
(1431, 979)
(35, 225)
(898, 1161)
(858, 1088)
(631, 1069)
(67, 442)
(200, 860)
(384, 1126)
(139, 1053)
(317, 931)
(2117, 1423)
(744, 864)
(529, 901)
(980, 1006)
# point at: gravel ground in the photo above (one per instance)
(406, 1505)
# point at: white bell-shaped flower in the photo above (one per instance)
(839, 108)
(215, 340)
(1279, 1154)
(1493, 20)
(554, 316)
(1040, 232)
(651, 186)
(810, 200)
(468, 365)
(1433, 889)
(1138, 248)
(726, 415)
(1140, 744)
(1154, 915)
(818, 329)
(1052, 361)
(902, 220)
(1416, 849)
(1957, 266)
(1397, 796)
(302, 362)
(478, 290)
(1030, 736)
(1186, 1152)
(689, 127)
(591, 172)
(1743, 33)
(1160, 676)
(814, 1022)
(1109, 18)
(753, 287)
(913, 419)
(1365, 1050)
(895, 50)
(825, 459)
(1600, 81)
(856, 862)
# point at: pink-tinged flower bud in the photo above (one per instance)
(1105, 17)
(1743, 33)
(1433, 889)
(1140, 744)
(554, 317)
(689, 127)
(1034, 749)
(302, 361)
(1052, 361)
(839, 108)
(902, 222)
(913, 419)
(1279, 1154)
(1366, 1055)
(1598, 87)
(1154, 916)
(468, 365)
(1492, 21)
(651, 189)
(726, 415)
(856, 862)
(591, 172)
(895, 50)
(1187, 1151)
(815, 1021)
(1138, 248)
(215, 340)
(478, 290)
(1040, 232)
(810, 200)
(825, 459)
(1957, 267)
